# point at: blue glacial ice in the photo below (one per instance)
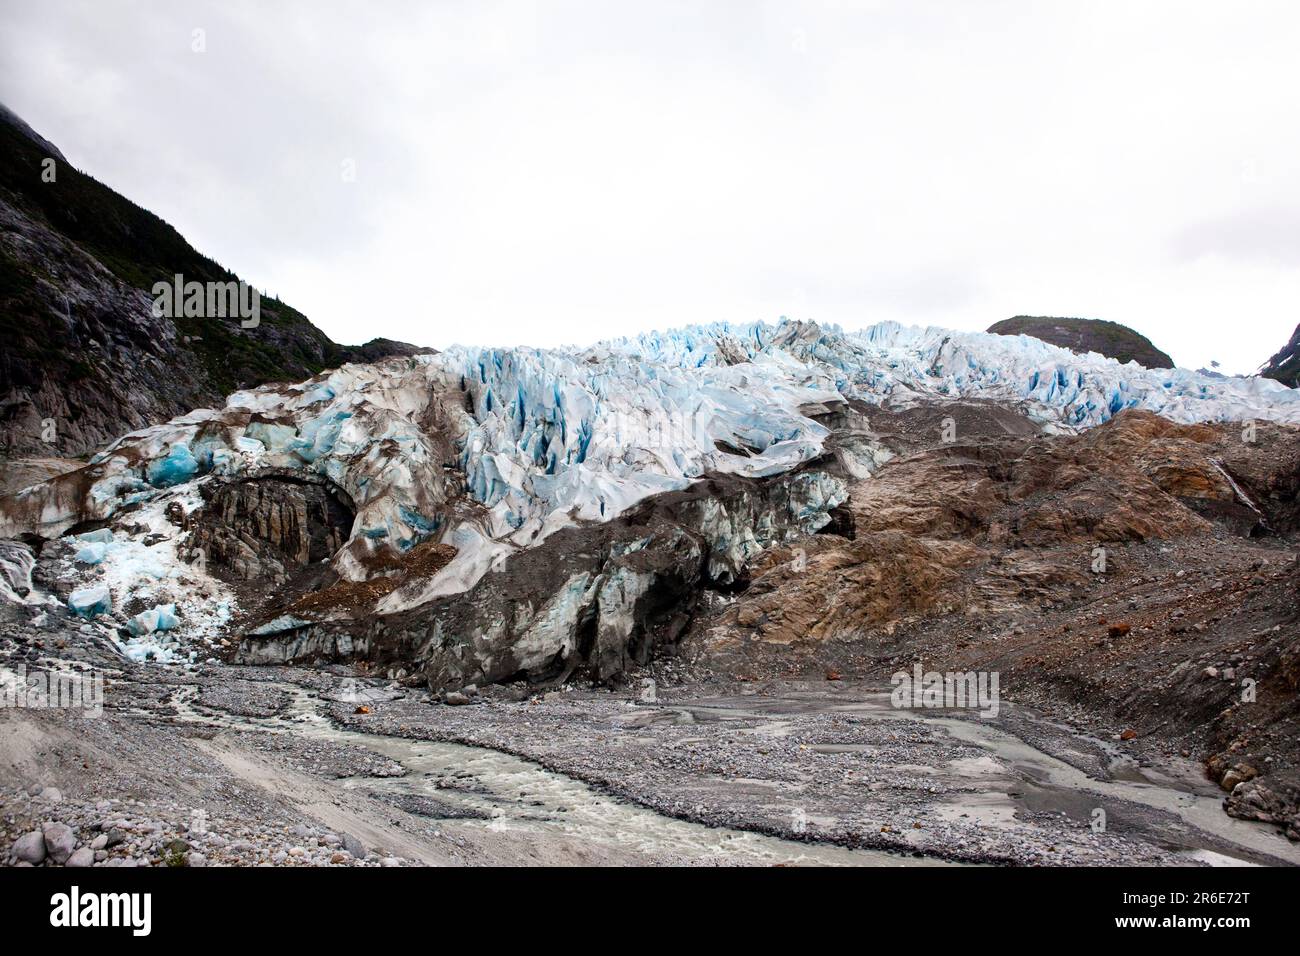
(90, 602)
(91, 553)
(178, 465)
(160, 618)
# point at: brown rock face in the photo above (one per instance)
(261, 528)
(985, 529)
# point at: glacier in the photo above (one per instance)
(540, 439)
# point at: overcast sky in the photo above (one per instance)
(559, 172)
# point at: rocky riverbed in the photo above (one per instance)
(223, 765)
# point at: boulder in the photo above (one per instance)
(60, 841)
(30, 848)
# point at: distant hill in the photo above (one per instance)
(82, 349)
(1285, 365)
(1087, 335)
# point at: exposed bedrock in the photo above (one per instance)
(594, 599)
(263, 527)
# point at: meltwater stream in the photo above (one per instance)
(517, 794)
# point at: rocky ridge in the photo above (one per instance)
(1284, 366)
(85, 358)
(1087, 335)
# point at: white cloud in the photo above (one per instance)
(559, 172)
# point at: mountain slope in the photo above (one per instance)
(1285, 365)
(1087, 335)
(84, 358)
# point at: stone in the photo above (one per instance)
(82, 857)
(353, 846)
(30, 847)
(60, 841)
